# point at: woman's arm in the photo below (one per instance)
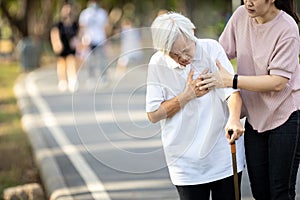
(235, 106)
(55, 40)
(264, 83)
(168, 108)
(223, 78)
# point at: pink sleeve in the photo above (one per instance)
(285, 58)
(228, 37)
(227, 40)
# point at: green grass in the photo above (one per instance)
(17, 165)
(233, 62)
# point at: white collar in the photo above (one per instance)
(172, 64)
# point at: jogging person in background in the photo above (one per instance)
(63, 36)
(264, 38)
(193, 121)
(92, 22)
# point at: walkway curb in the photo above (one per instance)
(50, 173)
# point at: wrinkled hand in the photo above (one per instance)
(192, 89)
(219, 79)
(237, 128)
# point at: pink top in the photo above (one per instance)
(261, 49)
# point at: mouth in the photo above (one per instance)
(250, 11)
(185, 63)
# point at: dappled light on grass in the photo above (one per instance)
(17, 166)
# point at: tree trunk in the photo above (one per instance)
(34, 18)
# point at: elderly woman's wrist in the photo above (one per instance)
(183, 99)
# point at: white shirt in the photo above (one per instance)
(93, 20)
(194, 140)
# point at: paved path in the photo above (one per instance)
(96, 144)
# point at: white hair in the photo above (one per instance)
(167, 27)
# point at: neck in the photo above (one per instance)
(269, 16)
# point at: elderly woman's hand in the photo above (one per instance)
(218, 79)
(191, 90)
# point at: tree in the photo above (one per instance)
(29, 17)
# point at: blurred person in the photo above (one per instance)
(194, 123)
(62, 37)
(130, 46)
(264, 38)
(92, 23)
(113, 24)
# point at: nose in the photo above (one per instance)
(184, 56)
(248, 2)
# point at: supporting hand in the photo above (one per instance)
(219, 79)
(237, 130)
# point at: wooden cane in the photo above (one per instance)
(234, 166)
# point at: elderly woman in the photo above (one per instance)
(193, 122)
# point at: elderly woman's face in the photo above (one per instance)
(183, 50)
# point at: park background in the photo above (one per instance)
(30, 21)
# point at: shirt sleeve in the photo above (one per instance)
(82, 19)
(154, 94)
(285, 59)
(228, 37)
